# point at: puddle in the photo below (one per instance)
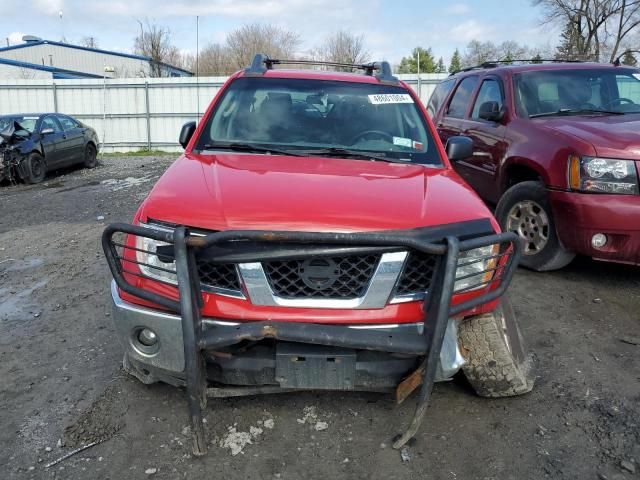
(119, 184)
(24, 264)
(16, 305)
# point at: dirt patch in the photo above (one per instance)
(99, 422)
(61, 378)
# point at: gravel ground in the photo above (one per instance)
(62, 386)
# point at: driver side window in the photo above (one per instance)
(50, 122)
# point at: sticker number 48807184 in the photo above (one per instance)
(382, 98)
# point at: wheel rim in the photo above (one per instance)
(37, 168)
(529, 220)
(90, 156)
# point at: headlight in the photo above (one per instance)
(164, 271)
(473, 266)
(603, 175)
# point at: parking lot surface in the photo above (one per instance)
(62, 386)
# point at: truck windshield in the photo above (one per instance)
(561, 92)
(305, 116)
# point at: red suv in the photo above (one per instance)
(314, 236)
(557, 147)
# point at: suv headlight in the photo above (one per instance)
(150, 264)
(603, 175)
(476, 267)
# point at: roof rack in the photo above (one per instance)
(497, 63)
(261, 63)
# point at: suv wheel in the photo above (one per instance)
(524, 209)
(496, 361)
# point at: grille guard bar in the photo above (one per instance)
(437, 303)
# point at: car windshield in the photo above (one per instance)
(27, 123)
(322, 117)
(579, 91)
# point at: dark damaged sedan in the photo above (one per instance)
(31, 145)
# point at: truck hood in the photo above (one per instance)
(616, 136)
(247, 191)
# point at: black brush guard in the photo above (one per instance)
(437, 304)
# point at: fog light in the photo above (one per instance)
(147, 337)
(599, 240)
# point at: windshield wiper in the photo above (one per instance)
(250, 147)
(345, 152)
(575, 111)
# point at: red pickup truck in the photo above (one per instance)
(557, 147)
(313, 235)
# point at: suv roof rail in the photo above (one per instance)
(261, 63)
(497, 63)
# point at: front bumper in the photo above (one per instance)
(579, 216)
(165, 361)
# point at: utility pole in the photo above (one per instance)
(419, 83)
(198, 65)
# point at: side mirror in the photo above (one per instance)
(459, 148)
(186, 133)
(491, 111)
(46, 131)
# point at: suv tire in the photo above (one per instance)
(496, 361)
(525, 210)
(36, 168)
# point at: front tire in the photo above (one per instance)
(524, 209)
(36, 168)
(90, 156)
(497, 364)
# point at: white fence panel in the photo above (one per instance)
(136, 113)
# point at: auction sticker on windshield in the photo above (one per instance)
(383, 98)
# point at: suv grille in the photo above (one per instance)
(417, 274)
(219, 276)
(353, 275)
(295, 278)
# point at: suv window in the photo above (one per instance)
(550, 92)
(489, 92)
(314, 115)
(67, 123)
(460, 100)
(50, 122)
(439, 94)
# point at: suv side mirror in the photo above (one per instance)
(186, 133)
(491, 111)
(459, 148)
(46, 131)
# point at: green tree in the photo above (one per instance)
(410, 64)
(537, 58)
(440, 67)
(456, 63)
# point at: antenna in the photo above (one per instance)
(62, 39)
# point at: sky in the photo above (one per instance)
(391, 27)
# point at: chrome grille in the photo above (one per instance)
(352, 277)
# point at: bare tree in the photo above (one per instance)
(154, 42)
(214, 59)
(343, 47)
(593, 27)
(243, 43)
(89, 42)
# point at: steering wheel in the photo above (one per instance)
(619, 101)
(378, 133)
